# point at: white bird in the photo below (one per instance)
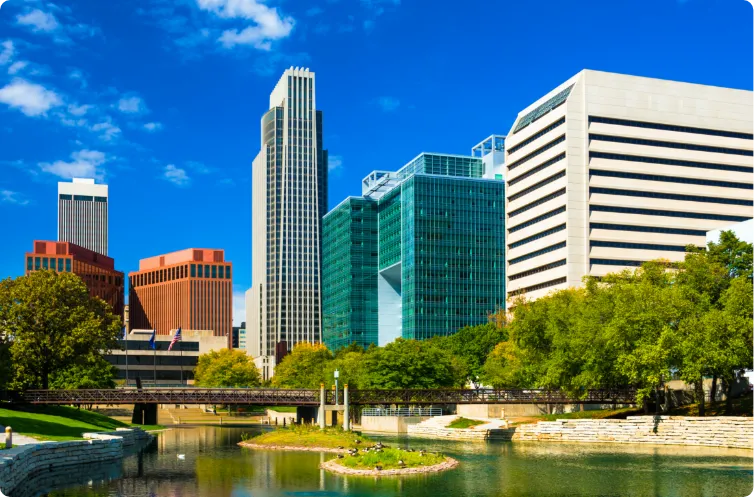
(2, 2)
(181, 456)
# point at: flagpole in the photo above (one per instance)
(154, 357)
(125, 339)
(180, 348)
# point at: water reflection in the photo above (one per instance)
(215, 466)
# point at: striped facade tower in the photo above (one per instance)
(191, 288)
(289, 199)
(82, 214)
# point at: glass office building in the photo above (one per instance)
(438, 253)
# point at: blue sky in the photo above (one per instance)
(161, 99)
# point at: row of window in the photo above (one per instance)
(537, 186)
(647, 229)
(539, 269)
(541, 201)
(670, 162)
(639, 246)
(536, 135)
(535, 220)
(535, 170)
(537, 253)
(539, 235)
(180, 272)
(541, 110)
(149, 359)
(671, 196)
(82, 198)
(670, 127)
(159, 345)
(615, 262)
(671, 179)
(58, 264)
(658, 212)
(544, 148)
(539, 286)
(659, 143)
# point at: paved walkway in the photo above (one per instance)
(17, 439)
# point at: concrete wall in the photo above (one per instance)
(26, 461)
(499, 411)
(665, 430)
(389, 424)
(436, 432)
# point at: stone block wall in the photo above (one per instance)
(735, 432)
(459, 434)
(19, 463)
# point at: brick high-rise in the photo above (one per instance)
(191, 288)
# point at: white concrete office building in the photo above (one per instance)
(608, 171)
(82, 214)
(289, 199)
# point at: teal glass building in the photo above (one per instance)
(421, 253)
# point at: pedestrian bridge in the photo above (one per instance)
(306, 397)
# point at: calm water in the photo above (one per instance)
(215, 466)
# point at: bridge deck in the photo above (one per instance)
(302, 397)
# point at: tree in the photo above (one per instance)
(89, 372)
(230, 368)
(306, 366)
(51, 322)
(472, 344)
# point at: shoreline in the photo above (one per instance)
(334, 466)
(298, 448)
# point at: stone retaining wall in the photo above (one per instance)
(735, 432)
(458, 434)
(20, 463)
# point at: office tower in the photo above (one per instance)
(492, 152)
(608, 171)
(434, 256)
(191, 289)
(96, 270)
(82, 214)
(289, 198)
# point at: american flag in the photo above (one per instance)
(176, 338)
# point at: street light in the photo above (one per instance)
(337, 375)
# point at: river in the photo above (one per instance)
(213, 465)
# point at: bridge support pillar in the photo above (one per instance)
(321, 415)
(346, 414)
(144, 414)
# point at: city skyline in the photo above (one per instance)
(185, 132)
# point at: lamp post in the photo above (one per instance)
(337, 375)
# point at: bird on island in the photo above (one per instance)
(378, 467)
(181, 456)
(340, 447)
(340, 456)
(401, 463)
(357, 441)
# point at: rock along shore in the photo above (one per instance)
(334, 466)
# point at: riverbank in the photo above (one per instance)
(378, 468)
(306, 437)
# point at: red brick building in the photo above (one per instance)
(191, 288)
(96, 270)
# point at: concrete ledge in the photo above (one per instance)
(20, 463)
(460, 434)
(334, 466)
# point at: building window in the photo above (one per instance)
(671, 179)
(68, 265)
(535, 170)
(640, 246)
(63, 196)
(646, 229)
(29, 263)
(541, 201)
(539, 269)
(193, 270)
(657, 212)
(542, 234)
(537, 152)
(671, 196)
(222, 271)
(60, 265)
(537, 186)
(206, 270)
(543, 109)
(537, 253)
(615, 262)
(537, 219)
(669, 162)
(658, 143)
(83, 198)
(201, 270)
(540, 286)
(227, 272)
(100, 199)
(669, 127)
(536, 135)
(214, 272)
(44, 262)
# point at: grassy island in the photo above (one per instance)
(464, 423)
(306, 437)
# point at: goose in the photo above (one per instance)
(357, 441)
(340, 456)
(401, 463)
(181, 456)
(378, 467)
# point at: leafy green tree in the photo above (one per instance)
(472, 345)
(88, 372)
(307, 366)
(230, 368)
(51, 322)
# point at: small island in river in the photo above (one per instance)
(357, 454)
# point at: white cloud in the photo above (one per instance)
(79, 110)
(39, 21)
(10, 197)
(334, 163)
(78, 75)
(107, 130)
(17, 66)
(132, 105)
(83, 164)
(388, 104)
(176, 175)
(239, 307)
(30, 98)
(152, 127)
(268, 26)
(7, 54)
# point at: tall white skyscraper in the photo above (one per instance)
(82, 214)
(289, 198)
(608, 171)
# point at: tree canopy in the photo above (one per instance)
(230, 368)
(53, 329)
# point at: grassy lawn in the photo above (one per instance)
(280, 408)
(596, 414)
(309, 436)
(463, 423)
(741, 406)
(56, 423)
(389, 458)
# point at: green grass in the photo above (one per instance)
(309, 436)
(56, 423)
(463, 423)
(389, 458)
(741, 406)
(280, 408)
(595, 414)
